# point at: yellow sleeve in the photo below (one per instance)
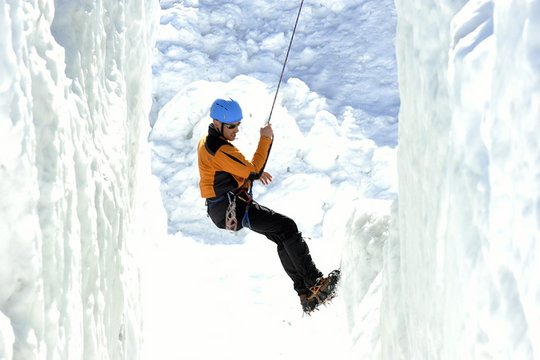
(231, 160)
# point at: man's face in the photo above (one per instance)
(230, 130)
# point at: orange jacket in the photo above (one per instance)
(223, 168)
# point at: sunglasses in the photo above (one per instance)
(232, 126)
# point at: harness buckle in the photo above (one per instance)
(244, 195)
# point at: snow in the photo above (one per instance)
(73, 119)
(330, 152)
(105, 248)
(468, 184)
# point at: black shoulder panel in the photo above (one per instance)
(224, 182)
(234, 159)
(213, 144)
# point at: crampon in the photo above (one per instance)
(322, 292)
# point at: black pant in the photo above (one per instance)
(282, 230)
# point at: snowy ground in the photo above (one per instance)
(335, 125)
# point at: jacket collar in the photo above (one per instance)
(212, 131)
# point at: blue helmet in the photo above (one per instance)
(226, 111)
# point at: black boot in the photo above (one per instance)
(308, 303)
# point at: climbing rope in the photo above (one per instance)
(231, 221)
(285, 62)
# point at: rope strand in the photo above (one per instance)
(285, 63)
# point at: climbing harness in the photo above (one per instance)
(231, 221)
(285, 62)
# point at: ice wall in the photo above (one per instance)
(461, 282)
(74, 96)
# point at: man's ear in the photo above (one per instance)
(218, 126)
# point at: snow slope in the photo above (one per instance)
(333, 164)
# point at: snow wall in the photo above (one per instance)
(461, 279)
(74, 100)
